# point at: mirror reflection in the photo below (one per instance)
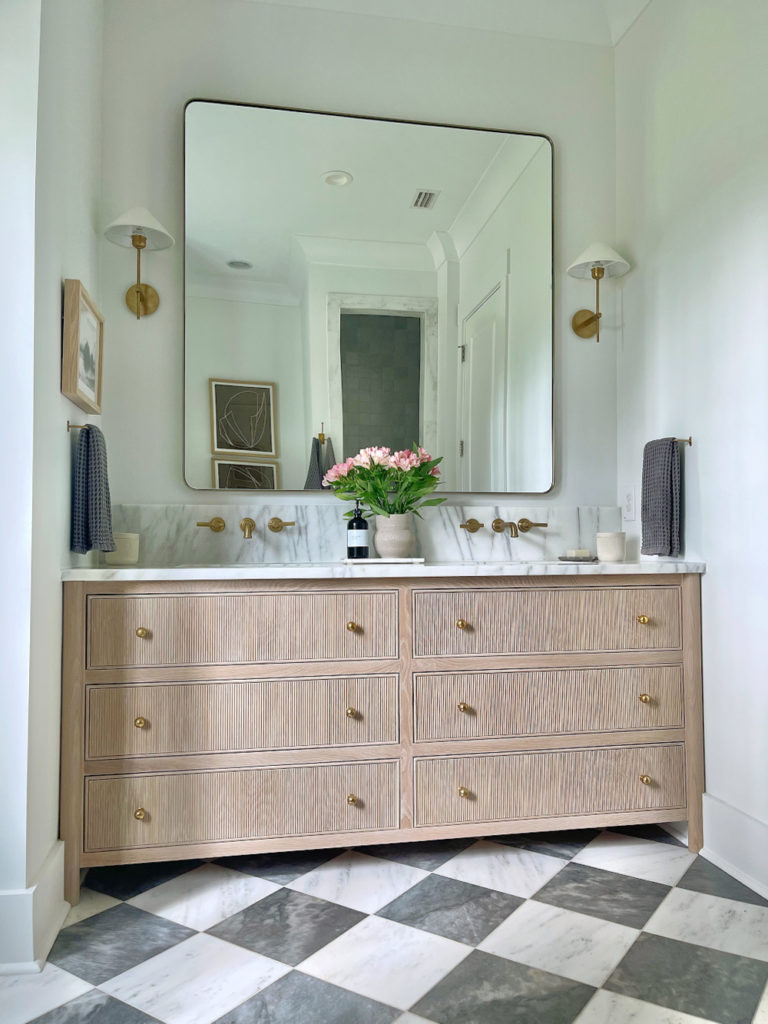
(353, 282)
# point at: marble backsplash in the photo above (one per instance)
(170, 537)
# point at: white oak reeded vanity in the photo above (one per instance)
(219, 717)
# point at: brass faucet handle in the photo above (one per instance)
(247, 525)
(472, 526)
(499, 526)
(276, 524)
(524, 525)
(216, 524)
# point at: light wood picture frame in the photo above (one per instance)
(245, 475)
(243, 418)
(82, 348)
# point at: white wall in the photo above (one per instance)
(692, 213)
(65, 173)
(245, 341)
(296, 57)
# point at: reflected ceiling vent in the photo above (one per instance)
(425, 199)
(240, 264)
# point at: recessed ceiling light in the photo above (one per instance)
(240, 264)
(337, 178)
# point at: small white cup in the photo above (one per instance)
(126, 550)
(611, 547)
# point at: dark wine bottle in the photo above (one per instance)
(357, 535)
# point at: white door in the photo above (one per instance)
(482, 396)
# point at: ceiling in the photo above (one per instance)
(600, 22)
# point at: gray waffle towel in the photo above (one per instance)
(660, 505)
(91, 506)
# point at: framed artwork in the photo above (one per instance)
(243, 418)
(82, 348)
(244, 475)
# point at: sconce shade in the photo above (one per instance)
(599, 255)
(138, 221)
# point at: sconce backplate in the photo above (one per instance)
(150, 300)
(584, 330)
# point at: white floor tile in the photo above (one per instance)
(411, 1018)
(727, 925)
(641, 858)
(359, 881)
(90, 903)
(761, 1016)
(195, 982)
(387, 961)
(26, 996)
(562, 942)
(611, 1008)
(201, 898)
(505, 868)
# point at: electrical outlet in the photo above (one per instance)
(628, 505)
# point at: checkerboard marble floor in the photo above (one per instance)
(611, 927)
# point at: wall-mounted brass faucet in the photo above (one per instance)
(499, 526)
(247, 525)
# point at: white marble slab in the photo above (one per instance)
(24, 997)
(169, 534)
(359, 881)
(380, 570)
(641, 858)
(612, 1008)
(505, 868)
(727, 925)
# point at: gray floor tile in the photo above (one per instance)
(128, 880)
(485, 989)
(720, 987)
(114, 941)
(287, 926)
(564, 844)
(604, 894)
(280, 868)
(703, 876)
(655, 832)
(457, 910)
(94, 1008)
(299, 999)
(420, 855)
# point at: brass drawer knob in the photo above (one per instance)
(140, 723)
(139, 814)
(463, 707)
(644, 698)
(643, 620)
(463, 793)
(352, 800)
(462, 624)
(646, 780)
(353, 627)
(351, 712)
(141, 633)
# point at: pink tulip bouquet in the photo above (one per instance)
(388, 484)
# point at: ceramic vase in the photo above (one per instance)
(394, 537)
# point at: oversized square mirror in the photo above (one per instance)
(352, 282)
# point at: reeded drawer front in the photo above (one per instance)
(234, 629)
(200, 807)
(271, 714)
(480, 705)
(532, 621)
(545, 784)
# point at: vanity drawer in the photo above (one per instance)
(546, 621)
(233, 629)
(185, 808)
(484, 705)
(201, 718)
(548, 784)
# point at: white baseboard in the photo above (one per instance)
(678, 829)
(30, 918)
(736, 842)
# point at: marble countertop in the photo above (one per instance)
(378, 570)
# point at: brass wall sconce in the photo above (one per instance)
(138, 229)
(598, 261)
